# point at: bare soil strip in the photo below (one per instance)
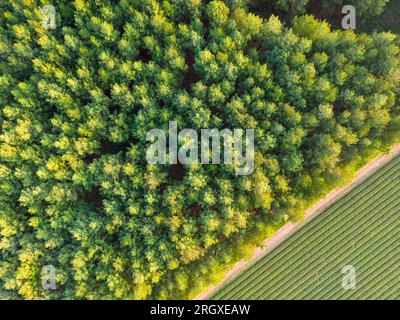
(283, 233)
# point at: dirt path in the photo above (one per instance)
(291, 227)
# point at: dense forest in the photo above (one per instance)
(77, 101)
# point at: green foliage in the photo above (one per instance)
(366, 9)
(331, 10)
(76, 191)
(361, 230)
(388, 20)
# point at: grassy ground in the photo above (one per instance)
(362, 230)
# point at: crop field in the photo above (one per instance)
(361, 230)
